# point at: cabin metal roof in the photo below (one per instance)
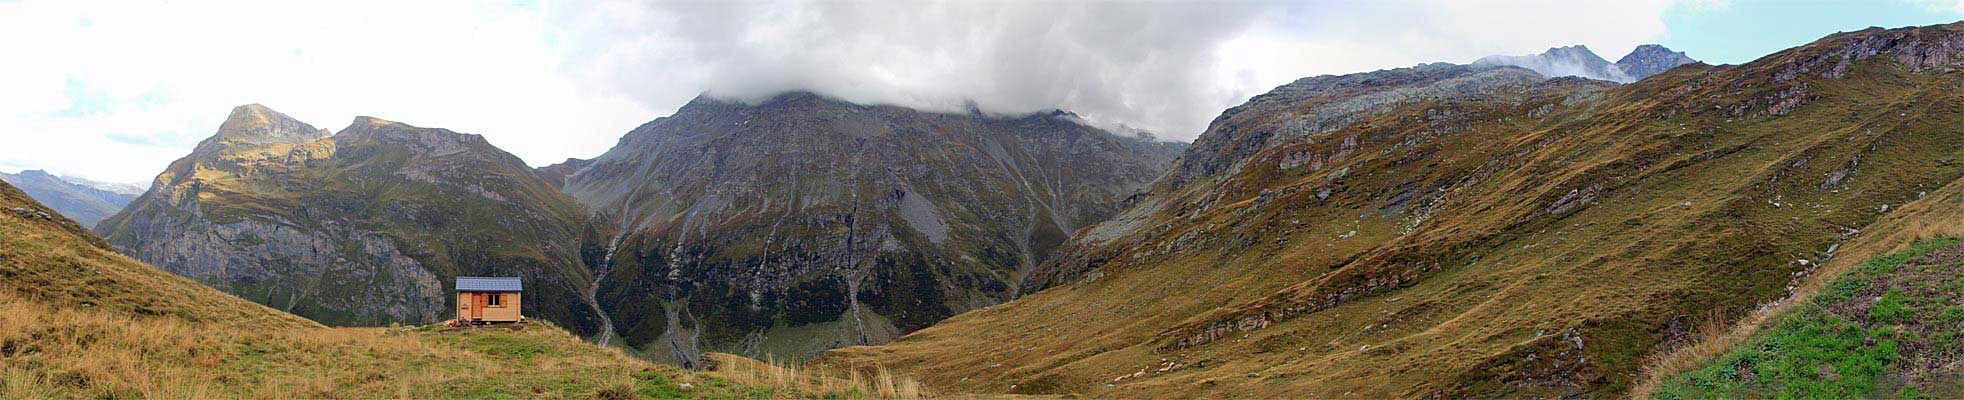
(488, 284)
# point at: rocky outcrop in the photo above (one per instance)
(83, 203)
(363, 227)
(805, 223)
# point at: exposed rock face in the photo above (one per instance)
(1577, 60)
(1518, 238)
(83, 203)
(1650, 59)
(363, 227)
(806, 223)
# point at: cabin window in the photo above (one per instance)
(496, 299)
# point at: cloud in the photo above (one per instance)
(114, 92)
(1953, 6)
(1167, 67)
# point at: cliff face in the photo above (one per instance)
(805, 223)
(363, 227)
(1455, 231)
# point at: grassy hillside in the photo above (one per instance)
(1439, 231)
(78, 320)
(1892, 328)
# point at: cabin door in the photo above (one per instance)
(478, 302)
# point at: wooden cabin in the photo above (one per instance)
(488, 299)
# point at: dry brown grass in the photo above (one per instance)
(878, 382)
(59, 352)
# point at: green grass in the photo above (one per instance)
(1818, 350)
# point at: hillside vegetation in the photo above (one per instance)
(1892, 328)
(78, 320)
(1451, 231)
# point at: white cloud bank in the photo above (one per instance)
(114, 91)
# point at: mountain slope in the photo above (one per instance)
(1887, 329)
(805, 223)
(363, 227)
(85, 204)
(1468, 232)
(53, 260)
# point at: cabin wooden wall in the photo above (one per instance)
(507, 311)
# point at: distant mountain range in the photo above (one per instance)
(87, 202)
(1577, 60)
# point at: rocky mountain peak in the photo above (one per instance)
(435, 141)
(258, 124)
(1574, 60)
(1572, 51)
(1651, 59)
(372, 122)
(1578, 60)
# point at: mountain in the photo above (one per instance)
(804, 223)
(86, 204)
(1563, 61)
(1577, 60)
(1467, 231)
(556, 173)
(361, 227)
(1650, 59)
(53, 261)
(78, 320)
